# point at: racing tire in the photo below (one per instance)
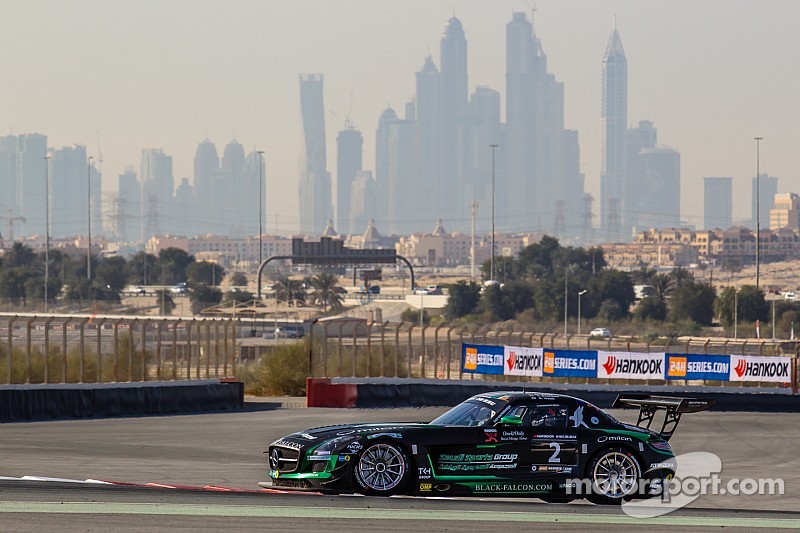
(382, 469)
(615, 475)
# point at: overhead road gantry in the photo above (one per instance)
(333, 252)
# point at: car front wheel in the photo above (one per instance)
(615, 474)
(382, 469)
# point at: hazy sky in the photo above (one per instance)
(711, 75)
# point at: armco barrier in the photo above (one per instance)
(44, 402)
(392, 393)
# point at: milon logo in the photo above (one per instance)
(610, 365)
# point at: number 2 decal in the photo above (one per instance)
(555, 458)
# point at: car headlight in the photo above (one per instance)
(323, 451)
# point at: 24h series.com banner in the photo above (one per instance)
(545, 362)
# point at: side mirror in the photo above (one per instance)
(511, 420)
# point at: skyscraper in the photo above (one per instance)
(428, 185)
(206, 171)
(9, 200)
(769, 188)
(316, 205)
(534, 181)
(68, 192)
(231, 193)
(453, 94)
(614, 122)
(157, 183)
(128, 205)
(349, 145)
(717, 203)
(32, 171)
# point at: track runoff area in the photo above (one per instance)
(202, 471)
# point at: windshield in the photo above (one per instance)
(469, 413)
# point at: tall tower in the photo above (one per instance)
(157, 182)
(428, 183)
(349, 144)
(717, 203)
(32, 170)
(206, 170)
(453, 105)
(614, 121)
(232, 193)
(315, 182)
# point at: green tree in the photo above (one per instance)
(205, 273)
(239, 279)
(495, 304)
(412, 316)
(661, 286)
(142, 268)
(174, 263)
(643, 276)
(463, 299)
(693, 301)
(237, 296)
(20, 255)
(325, 293)
(203, 296)
(611, 310)
(750, 305)
(651, 308)
(289, 290)
(12, 283)
(613, 285)
(110, 272)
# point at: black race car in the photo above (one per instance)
(550, 446)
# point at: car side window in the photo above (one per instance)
(550, 416)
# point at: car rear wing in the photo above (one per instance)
(673, 408)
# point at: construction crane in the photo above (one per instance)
(11, 219)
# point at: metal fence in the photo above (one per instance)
(99, 349)
(362, 349)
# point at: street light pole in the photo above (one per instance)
(566, 299)
(580, 293)
(47, 227)
(89, 218)
(735, 313)
(260, 208)
(758, 207)
(491, 268)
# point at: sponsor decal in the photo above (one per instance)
(274, 458)
(442, 487)
(663, 464)
(630, 365)
(425, 487)
(392, 435)
(354, 447)
(320, 457)
(307, 436)
(595, 420)
(487, 401)
(512, 487)
(756, 368)
(466, 467)
(553, 436)
(676, 366)
(614, 438)
(522, 361)
(549, 363)
(551, 468)
(577, 418)
(513, 435)
(344, 458)
(477, 458)
(287, 444)
(423, 473)
(491, 435)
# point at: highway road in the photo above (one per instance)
(224, 450)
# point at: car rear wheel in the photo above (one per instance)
(382, 469)
(615, 474)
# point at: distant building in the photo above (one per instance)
(768, 186)
(31, 182)
(717, 203)
(362, 201)
(157, 182)
(786, 212)
(349, 145)
(9, 199)
(239, 253)
(615, 122)
(68, 192)
(316, 205)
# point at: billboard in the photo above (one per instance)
(482, 359)
(625, 365)
(569, 363)
(522, 361)
(757, 368)
(697, 366)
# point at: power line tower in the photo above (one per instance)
(613, 219)
(11, 219)
(474, 209)
(587, 217)
(559, 224)
(151, 218)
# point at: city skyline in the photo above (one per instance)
(689, 102)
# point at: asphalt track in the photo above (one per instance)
(224, 451)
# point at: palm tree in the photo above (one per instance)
(643, 276)
(679, 276)
(289, 290)
(661, 286)
(325, 294)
